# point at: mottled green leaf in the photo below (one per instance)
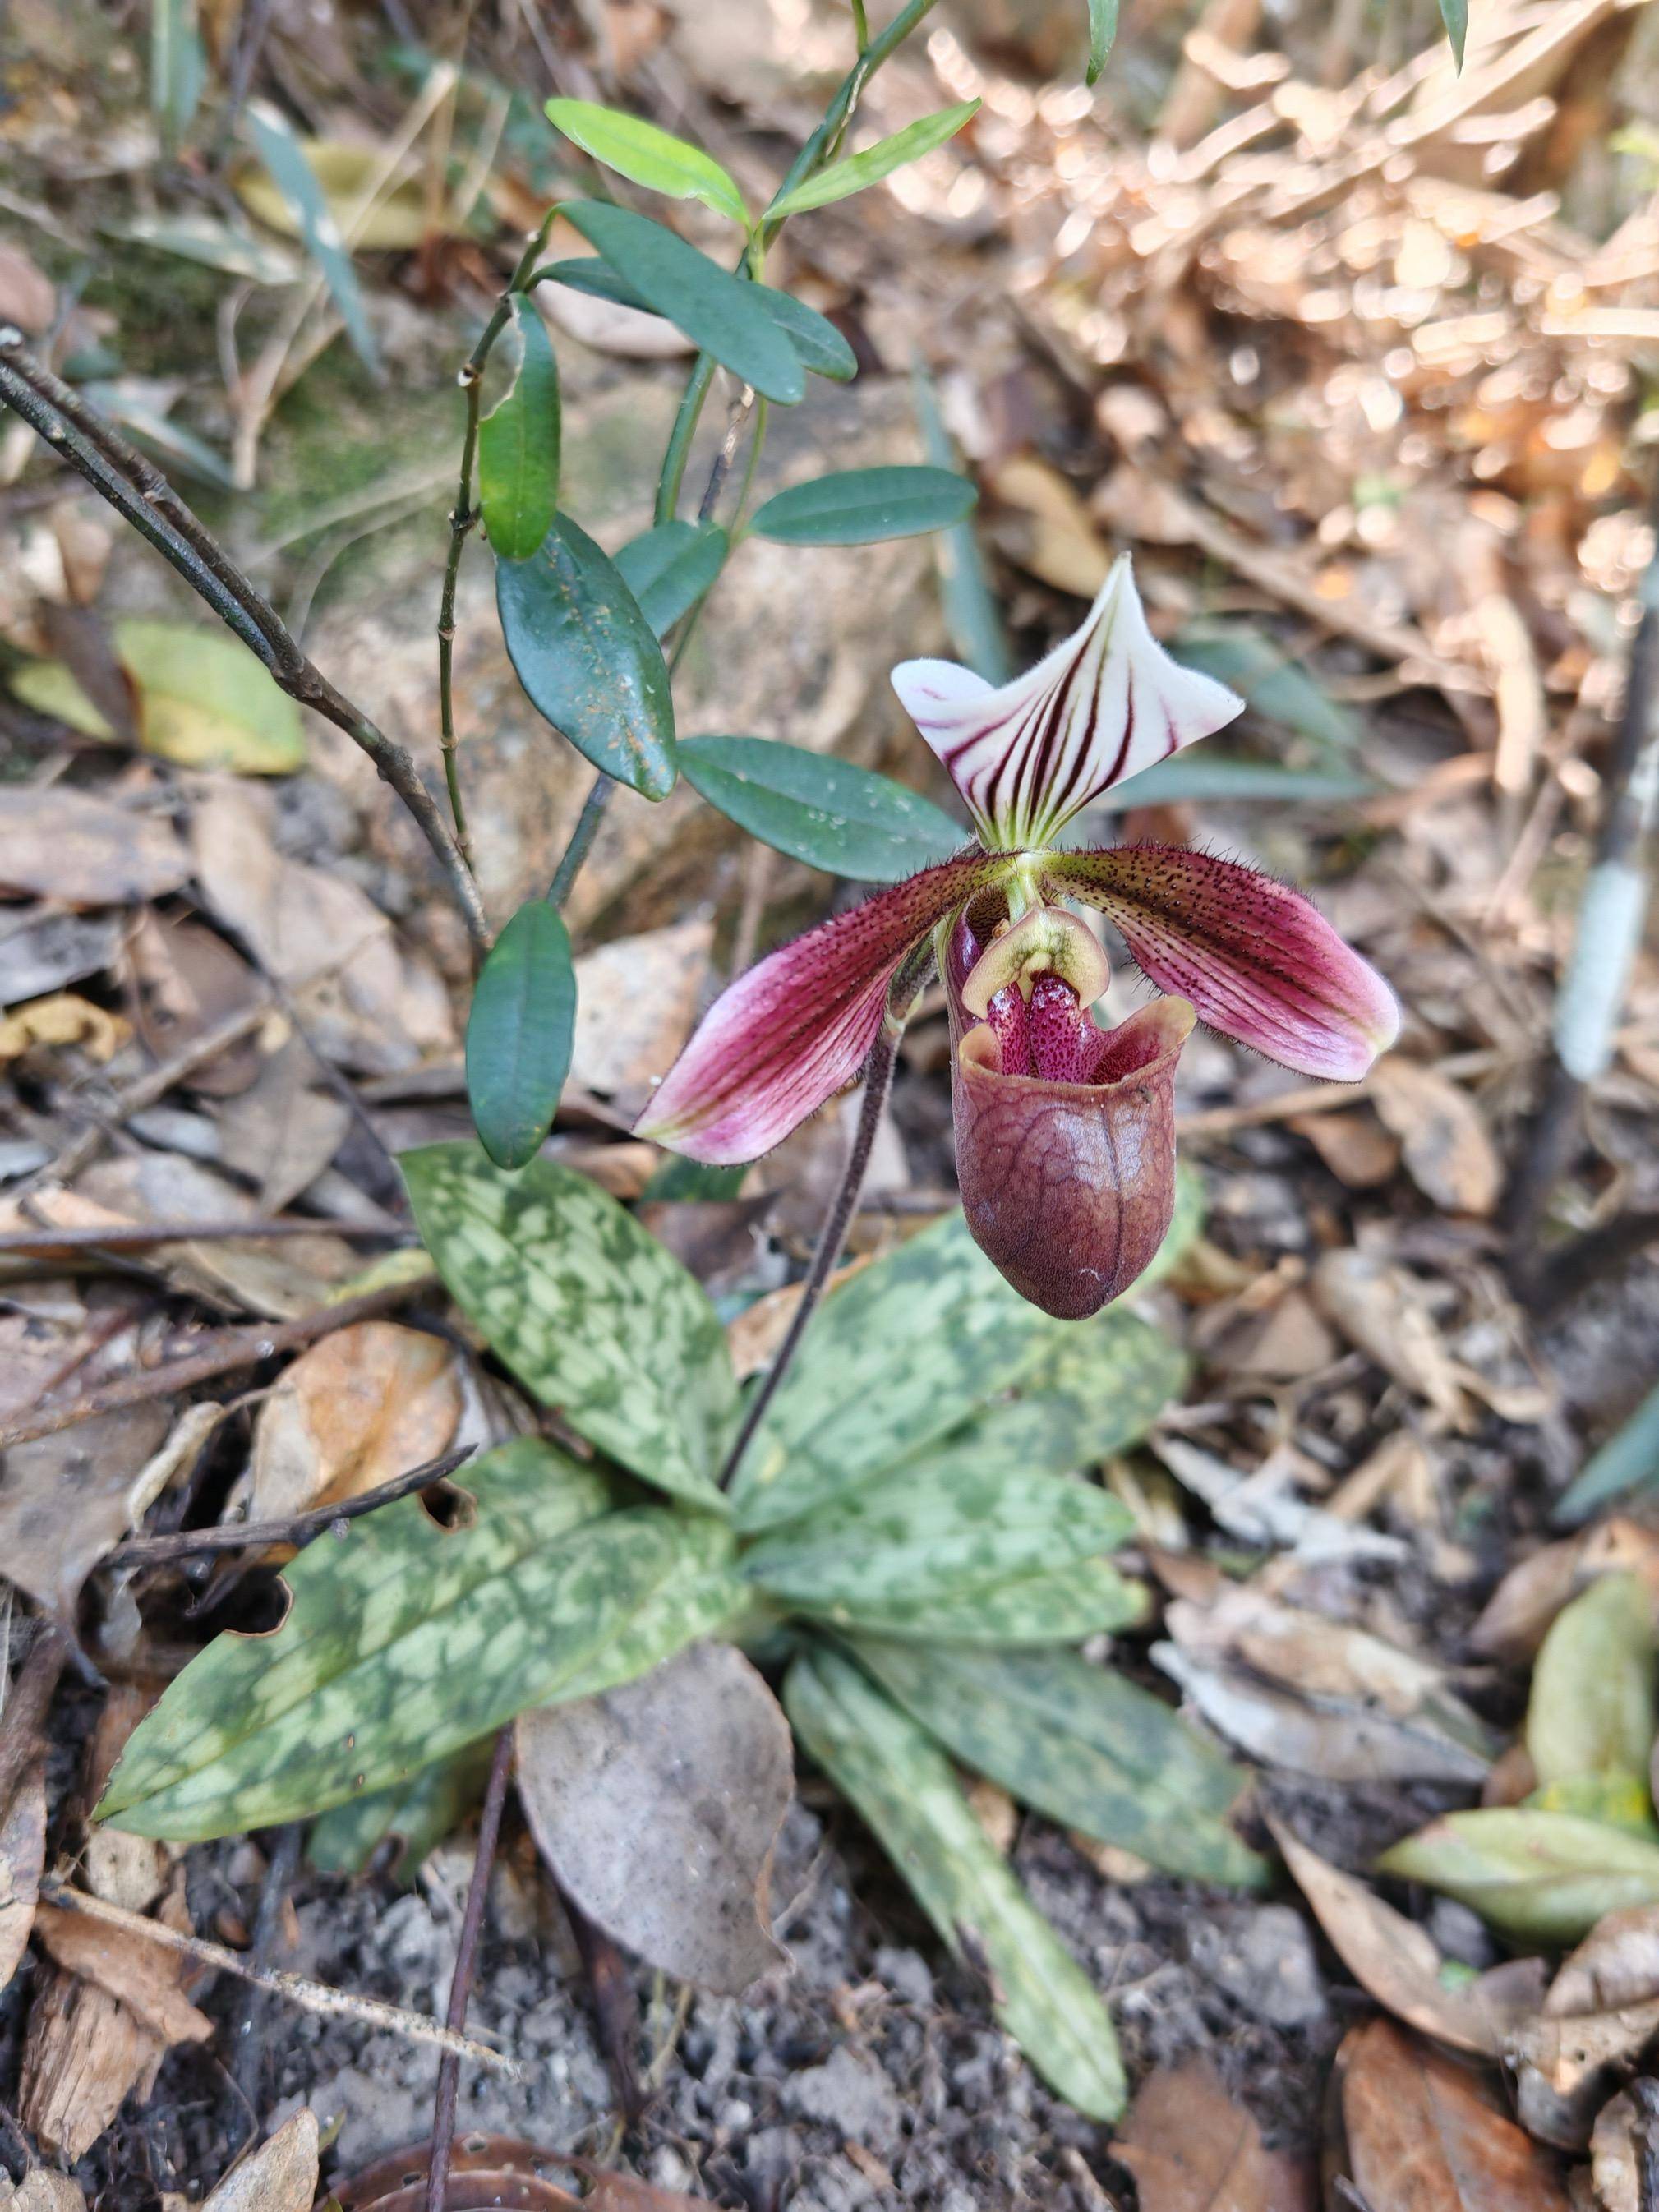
(676, 1177)
(284, 159)
(1080, 1744)
(518, 1034)
(715, 309)
(519, 446)
(1042, 1605)
(589, 1312)
(895, 1359)
(841, 179)
(1096, 1392)
(891, 1553)
(1454, 14)
(863, 507)
(588, 659)
(669, 568)
(902, 1784)
(415, 1816)
(648, 156)
(1102, 29)
(827, 812)
(1591, 1712)
(202, 699)
(1547, 1877)
(1628, 1461)
(819, 345)
(406, 1640)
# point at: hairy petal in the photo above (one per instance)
(1258, 960)
(1068, 1187)
(797, 1026)
(1105, 703)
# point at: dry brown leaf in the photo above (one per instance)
(68, 1498)
(1614, 2163)
(626, 2192)
(1566, 2069)
(27, 296)
(281, 2176)
(636, 999)
(1192, 2149)
(364, 1404)
(1617, 1964)
(1517, 1615)
(754, 1337)
(1381, 1311)
(1394, 1960)
(1356, 1149)
(41, 2190)
(1449, 1153)
(189, 981)
(64, 844)
(144, 1975)
(285, 1128)
(1424, 2134)
(22, 1859)
(657, 1805)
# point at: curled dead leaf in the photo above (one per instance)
(1449, 1153)
(352, 1411)
(1191, 2148)
(281, 2176)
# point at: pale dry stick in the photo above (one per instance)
(143, 498)
(47, 1243)
(225, 1350)
(298, 1989)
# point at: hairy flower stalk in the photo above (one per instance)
(1065, 1131)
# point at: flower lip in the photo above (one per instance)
(1137, 1048)
(1105, 703)
(1046, 941)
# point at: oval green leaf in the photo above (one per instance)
(1546, 1877)
(587, 658)
(862, 507)
(821, 346)
(903, 1785)
(669, 568)
(717, 311)
(587, 273)
(827, 812)
(648, 156)
(545, 1596)
(519, 446)
(877, 162)
(590, 1312)
(518, 1034)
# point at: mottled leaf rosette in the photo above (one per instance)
(1064, 1132)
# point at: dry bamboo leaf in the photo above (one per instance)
(1192, 2149)
(1424, 2134)
(1448, 1150)
(656, 1807)
(353, 1411)
(22, 1858)
(1395, 1961)
(281, 2176)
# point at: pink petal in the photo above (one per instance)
(796, 1027)
(1105, 703)
(1257, 959)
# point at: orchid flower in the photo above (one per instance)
(1064, 1132)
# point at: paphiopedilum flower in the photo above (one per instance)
(1064, 1132)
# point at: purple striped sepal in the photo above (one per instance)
(1028, 754)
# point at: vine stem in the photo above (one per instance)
(449, 2069)
(581, 840)
(464, 515)
(142, 495)
(877, 1083)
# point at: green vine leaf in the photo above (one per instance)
(859, 171)
(519, 446)
(1103, 30)
(865, 506)
(903, 1785)
(1454, 14)
(590, 1312)
(588, 659)
(825, 812)
(669, 568)
(648, 156)
(546, 1594)
(518, 1034)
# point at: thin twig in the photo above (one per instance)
(47, 1243)
(581, 840)
(140, 492)
(449, 2072)
(298, 1528)
(298, 1989)
(878, 1081)
(225, 1349)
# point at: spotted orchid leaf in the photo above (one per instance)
(1107, 701)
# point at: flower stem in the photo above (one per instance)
(877, 1083)
(449, 2069)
